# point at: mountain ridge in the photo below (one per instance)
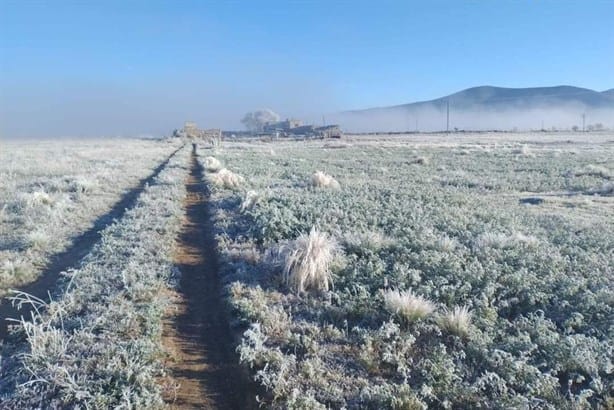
(490, 107)
(488, 95)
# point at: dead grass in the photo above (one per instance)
(212, 164)
(322, 180)
(308, 260)
(407, 305)
(225, 178)
(456, 321)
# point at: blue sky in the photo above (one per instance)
(127, 67)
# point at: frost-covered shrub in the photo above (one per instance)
(524, 150)
(607, 189)
(420, 160)
(38, 239)
(39, 198)
(594, 170)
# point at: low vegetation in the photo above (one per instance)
(96, 344)
(439, 273)
(450, 290)
(52, 191)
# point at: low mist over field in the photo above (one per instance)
(491, 108)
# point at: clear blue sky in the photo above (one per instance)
(120, 67)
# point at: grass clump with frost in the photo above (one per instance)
(322, 180)
(251, 199)
(456, 321)
(308, 260)
(212, 164)
(407, 305)
(225, 178)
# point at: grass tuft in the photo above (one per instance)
(251, 199)
(212, 164)
(407, 305)
(225, 178)
(308, 260)
(321, 180)
(456, 321)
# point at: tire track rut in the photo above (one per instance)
(71, 257)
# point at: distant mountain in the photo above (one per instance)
(488, 107)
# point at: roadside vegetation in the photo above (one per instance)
(443, 274)
(52, 191)
(97, 343)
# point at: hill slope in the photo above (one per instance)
(488, 107)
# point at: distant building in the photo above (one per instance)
(282, 126)
(190, 130)
(329, 131)
(294, 127)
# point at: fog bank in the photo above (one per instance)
(429, 119)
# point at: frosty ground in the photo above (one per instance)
(439, 271)
(471, 270)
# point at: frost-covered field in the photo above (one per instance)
(52, 191)
(97, 344)
(472, 272)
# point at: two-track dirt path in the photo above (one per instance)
(72, 256)
(196, 335)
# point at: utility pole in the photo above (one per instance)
(323, 121)
(583, 121)
(447, 115)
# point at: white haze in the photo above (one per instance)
(428, 119)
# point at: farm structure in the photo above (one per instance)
(191, 131)
(296, 128)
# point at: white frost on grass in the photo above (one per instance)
(51, 192)
(96, 345)
(225, 178)
(322, 180)
(251, 199)
(212, 164)
(407, 305)
(308, 260)
(456, 321)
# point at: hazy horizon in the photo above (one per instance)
(143, 68)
